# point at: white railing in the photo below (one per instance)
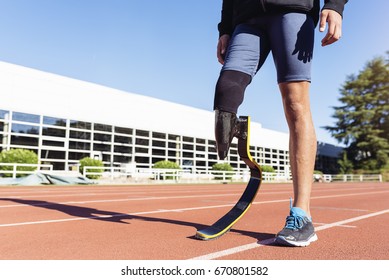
(15, 172)
(137, 174)
(352, 178)
(177, 175)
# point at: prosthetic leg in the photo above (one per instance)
(229, 128)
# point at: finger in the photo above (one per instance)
(323, 23)
(333, 35)
(327, 39)
(220, 52)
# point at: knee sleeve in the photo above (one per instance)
(230, 88)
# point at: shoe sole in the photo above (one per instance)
(282, 241)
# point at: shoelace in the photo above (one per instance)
(293, 222)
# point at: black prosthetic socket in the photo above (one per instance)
(230, 88)
(225, 130)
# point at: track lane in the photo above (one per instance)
(160, 228)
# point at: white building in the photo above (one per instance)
(64, 120)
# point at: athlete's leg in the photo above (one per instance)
(292, 37)
(245, 55)
(302, 140)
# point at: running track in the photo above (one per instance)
(158, 222)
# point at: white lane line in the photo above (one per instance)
(246, 247)
(345, 226)
(159, 211)
(340, 209)
(347, 221)
(235, 250)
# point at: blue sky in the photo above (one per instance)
(167, 49)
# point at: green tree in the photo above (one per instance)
(18, 156)
(362, 121)
(345, 165)
(87, 161)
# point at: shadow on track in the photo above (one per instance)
(116, 217)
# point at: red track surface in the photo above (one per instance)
(158, 222)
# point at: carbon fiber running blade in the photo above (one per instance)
(225, 223)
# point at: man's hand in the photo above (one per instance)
(222, 46)
(334, 32)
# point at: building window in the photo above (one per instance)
(24, 117)
(53, 143)
(80, 125)
(25, 129)
(123, 130)
(174, 137)
(187, 147)
(172, 153)
(158, 152)
(101, 147)
(80, 135)
(54, 132)
(188, 139)
(107, 158)
(103, 127)
(142, 142)
(24, 141)
(79, 145)
(141, 150)
(160, 144)
(200, 148)
(122, 159)
(159, 135)
(142, 160)
(4, 114)
(54, 121)
(49, 154)
(143, 133)
(102, 137)
(122, 149)
(77, 156)
(173, 145)
(122, 139)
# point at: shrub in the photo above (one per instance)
(18, 156)
(87, 161)
(165, 164)
(222, 167)
(268, 168)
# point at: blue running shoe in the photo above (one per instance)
(298, 230)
